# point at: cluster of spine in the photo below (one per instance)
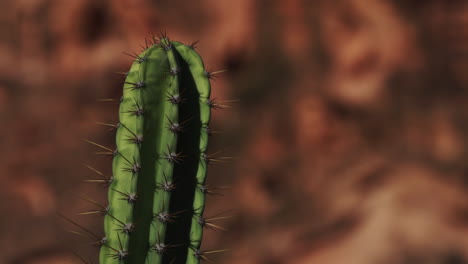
(157, 191)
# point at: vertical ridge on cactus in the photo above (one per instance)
(157, 193)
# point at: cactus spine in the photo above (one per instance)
(157, 194)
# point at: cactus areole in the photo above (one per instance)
(157, 194)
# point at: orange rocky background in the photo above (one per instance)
(350, 131)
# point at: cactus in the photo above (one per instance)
(157, 192)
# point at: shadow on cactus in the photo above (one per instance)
(157, 192)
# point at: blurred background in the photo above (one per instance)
(350, 129)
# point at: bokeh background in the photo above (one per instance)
(350, 129)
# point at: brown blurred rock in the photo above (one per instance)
(350, 127)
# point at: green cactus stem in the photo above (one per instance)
(157, 194)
